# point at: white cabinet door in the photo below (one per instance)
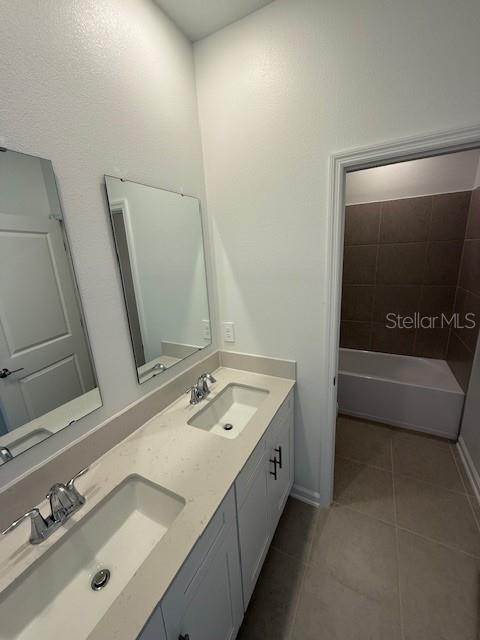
(211, 607)
(253, 524)
(155, 627)
(204, 602)
(280, 478)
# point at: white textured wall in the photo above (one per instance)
(281, 90)
(99, 87)
(440, 174)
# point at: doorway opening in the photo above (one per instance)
(401, 256)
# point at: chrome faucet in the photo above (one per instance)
(200, 390)
(203, 381)
(5, 454)
(159, 366)
(64, 501)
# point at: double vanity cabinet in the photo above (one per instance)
(211, 591)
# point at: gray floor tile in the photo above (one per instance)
(363, 442)
(439, 589)
(358, 551)
(271, 610)
(364, 489)
(427, 459)
(296, 528)
(330, 610)
(436, 513)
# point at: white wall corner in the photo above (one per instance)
(307, 496)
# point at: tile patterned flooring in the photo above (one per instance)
(396, 557)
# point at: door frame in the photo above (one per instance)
(411, 148)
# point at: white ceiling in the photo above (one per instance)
(200, 18)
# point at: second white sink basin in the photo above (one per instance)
(55, 596)
(228, 413)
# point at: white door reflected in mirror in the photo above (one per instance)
(47, 376)
(159, 241)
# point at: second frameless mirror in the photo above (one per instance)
(159, 243)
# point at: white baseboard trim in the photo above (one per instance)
(305, 495)
(469, 467)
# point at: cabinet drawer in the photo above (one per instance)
(247, 474)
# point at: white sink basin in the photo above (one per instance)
(55, 598)
(229, 413)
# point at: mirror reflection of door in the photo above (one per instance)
(45, 361)
(129, 276)
(159, 242)
(41, 332)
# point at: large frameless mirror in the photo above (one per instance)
(159, 243)
(47, 375)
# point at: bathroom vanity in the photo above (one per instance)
(177, 521)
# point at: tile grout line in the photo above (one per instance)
(439, 542)
(411, 531)
(397, 545)
(406, 475)
(363, 464)
(305, 565)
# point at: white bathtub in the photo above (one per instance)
(416, 393)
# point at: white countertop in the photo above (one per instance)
(193, 463)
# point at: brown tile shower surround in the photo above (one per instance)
(462, 343)
(404, 256)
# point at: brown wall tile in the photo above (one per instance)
(470, 270)
(436, 300)
(401, 263)
(362, 223)
(355, 335)
(473, 225)
(398, 299)
(449, 215)
(410, 262)
(359, 264)
(405, 220)
(392, 340)
(443, 262)
(357, 302)
(432, 343)
(460, 359)
(465, 303)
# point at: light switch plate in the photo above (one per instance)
(206, 330)
(228, 332)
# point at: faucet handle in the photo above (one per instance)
(196, 394)
(203, 381)
(77, 497)
(38, 525)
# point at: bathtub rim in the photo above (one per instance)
(458, 391)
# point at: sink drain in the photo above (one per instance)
(100, 579)
(227, 427)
